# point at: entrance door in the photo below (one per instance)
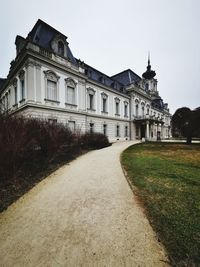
(158, 136)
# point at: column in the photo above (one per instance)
(30, 82)
(147, 130)
(38, 84)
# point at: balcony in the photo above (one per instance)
(144, 118)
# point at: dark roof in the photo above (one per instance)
(42, 34)
(126, 77)
(2, 81)
(102, 78)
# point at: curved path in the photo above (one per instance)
(84, 214)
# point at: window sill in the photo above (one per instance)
(125, 116)
(51, 100)
(91, 109)
(104, 112)
(70, 104)
(117, 114)
(22, 100)
(15, 105)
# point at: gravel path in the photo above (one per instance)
(84, 214)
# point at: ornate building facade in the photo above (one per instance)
(46, 81)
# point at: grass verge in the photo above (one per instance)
(166, 177)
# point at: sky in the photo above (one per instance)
(114, 35)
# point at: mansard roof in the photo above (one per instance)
(42, 34)
(102, 78)
(2, 81)
(126, 77)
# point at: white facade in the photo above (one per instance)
(51, 84)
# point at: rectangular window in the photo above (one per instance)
(22, 89)
(91, 128)
(126, 110)
(71, 125)
(91, 100)
(105, 129)
(117, 131)
(51, 90)
(104, 108)
(126, 131)
(70, 95)
(136, 110)
(15, 93)
(117, 108)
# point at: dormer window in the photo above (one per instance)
(61, 49)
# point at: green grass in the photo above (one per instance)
(166, 177)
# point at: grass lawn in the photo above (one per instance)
(166, 178)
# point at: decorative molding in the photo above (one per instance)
(70, 82)
(104, 95)
(117, 100)
(91, 91)
(51, 75)
(21, 74)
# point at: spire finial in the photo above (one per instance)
(148, 58)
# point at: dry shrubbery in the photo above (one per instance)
(31, 147)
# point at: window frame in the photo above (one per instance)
(91, 99)
(104, 101)
(117, 106)
(51, 76)
(70, 83)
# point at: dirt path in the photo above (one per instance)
(84, 214)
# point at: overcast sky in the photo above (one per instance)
(114, 35)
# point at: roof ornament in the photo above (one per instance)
(149, 74)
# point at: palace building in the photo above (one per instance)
(46, 81)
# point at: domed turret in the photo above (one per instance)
(149, 74)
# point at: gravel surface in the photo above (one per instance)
(84, 214)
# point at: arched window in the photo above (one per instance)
(61, 48)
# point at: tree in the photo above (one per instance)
(181, 123)
(197, 122)
(185, 122)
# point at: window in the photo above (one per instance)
(143, 111)
(51, 86)
(146, 86)
(70, 95)
(126, 131)
(51, 90)
(61, 48)
(22, 88)
(91, 100)
(105, 129)
(91, 94)
(104, 102)
(125, 109)
(117, 131)
(91, 128)
(22, 84)
(147, 110)
(136, 110)
(71, 125)
(70, 91)
(117, 109)
(15, 93)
